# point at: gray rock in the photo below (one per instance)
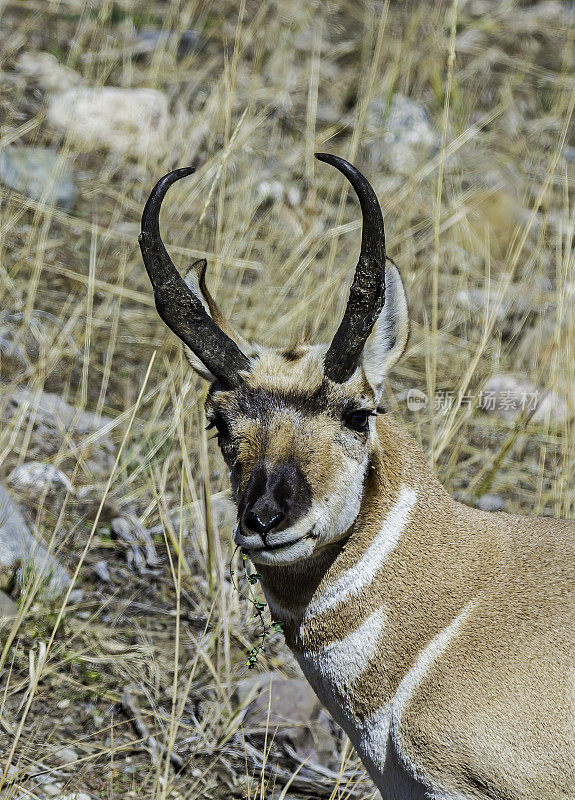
(137, 539)
(491, 502)
(185, 43)
(53, 789)
(66, 755)
(75, 796)
(22, 553)
(8, 608)
(57, 424)
(102, 571)
(46, 71)
(293, 706)
(400, 134)
(127, 121)
(20, 334)
(39, 173)
(35, 478)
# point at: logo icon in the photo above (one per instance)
(416, 400)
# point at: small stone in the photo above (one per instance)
(102, 571)
(46, 70)
(52, 789)
(75, 796)
(8, 608)
(128, 121)
(293, 707)
(35, 478)
(270, 190)
(38, 173)
(294, 196)
(399, 134)
(66, 755)
(186, 42)
(552, 407)
(63, 703)
(129, 529)
(507, 396)
(491, 502)
(22, 553)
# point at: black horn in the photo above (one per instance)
(367, 292)
(182, 311)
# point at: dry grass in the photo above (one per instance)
(272, 83)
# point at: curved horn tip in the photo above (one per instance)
(171, 177)
(354, 176)
(327, 157)
(367, 292)
(151, 212)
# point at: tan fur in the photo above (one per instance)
(502, 695)
(463, 684)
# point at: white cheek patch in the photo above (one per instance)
(336, 514)
(362, 573)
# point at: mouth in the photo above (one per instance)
(273, 547)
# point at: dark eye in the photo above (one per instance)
(358, 420)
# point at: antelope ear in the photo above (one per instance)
(195, 280)
(388, 338)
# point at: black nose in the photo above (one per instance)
(263, 522)
(275, 497)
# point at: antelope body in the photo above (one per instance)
(440, 637)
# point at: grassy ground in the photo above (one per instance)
(265, 86)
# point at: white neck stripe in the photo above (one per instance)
(363, 572)
(340, 663)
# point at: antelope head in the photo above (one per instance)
(295, 425)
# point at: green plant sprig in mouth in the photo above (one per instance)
(268, 628)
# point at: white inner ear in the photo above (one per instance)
(388, 338)
(193, 284)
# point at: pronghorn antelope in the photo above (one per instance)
(440, 637)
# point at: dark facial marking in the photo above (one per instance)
(293, 353)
